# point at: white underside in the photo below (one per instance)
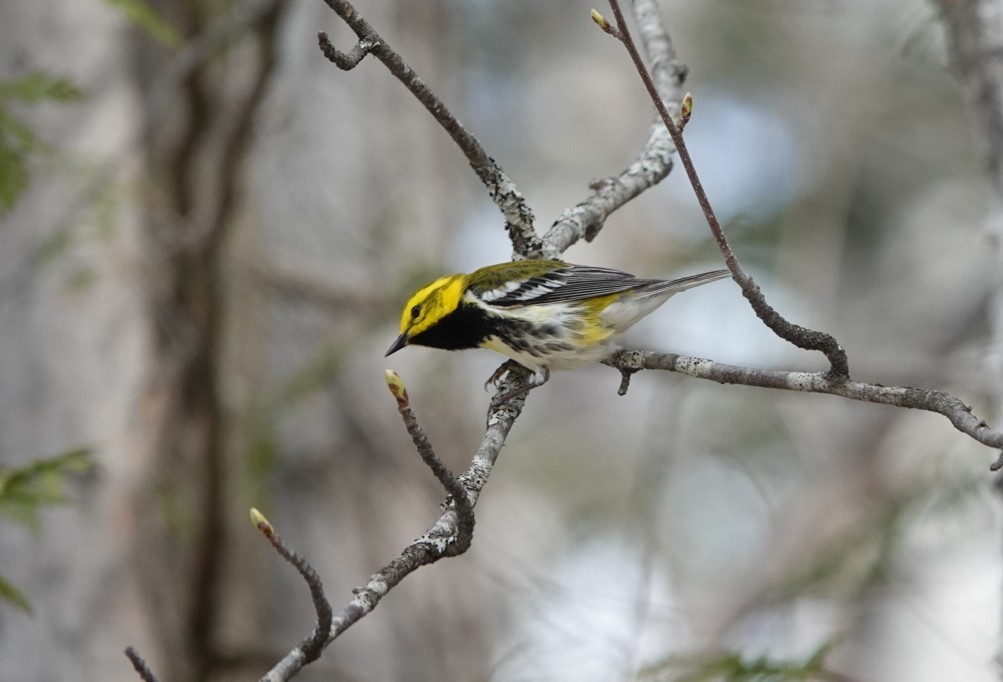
(619, 316)
(625, 313)
(557, 360)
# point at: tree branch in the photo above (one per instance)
(457, 493)
(140, 666)
(653, 164)
(802, 337)
(518, 216)
(959, 414)
(439, 541)
(837, 380)
(311, 647)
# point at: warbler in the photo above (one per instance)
(543, 314)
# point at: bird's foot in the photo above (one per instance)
(538, 379)
(503, 369)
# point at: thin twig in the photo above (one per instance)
(802, 337)
(311, 647)
(140, 666)
(517, 213)
(518, 216)
(346, 61)
(586, 219)
(434, 544)
(457, 492)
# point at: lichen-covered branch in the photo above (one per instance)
(518, 216)
(437, 542)
(802, 337)
(587, 218)
(959, 414)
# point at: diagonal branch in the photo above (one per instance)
(802, 337)
(311, 647)
(139, 665)
(437, 542)
(457, 493)
(653, 164)
(518, 216)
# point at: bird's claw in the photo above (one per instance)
(500, 400)
(504, 368)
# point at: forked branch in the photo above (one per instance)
(959, 413)
(654, 162)
(802, 337)
(834, 382)
(458, 496)
(449, 536)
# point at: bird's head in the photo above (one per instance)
(427, 307)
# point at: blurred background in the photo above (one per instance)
(208, 233)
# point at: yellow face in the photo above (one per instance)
(430, 304)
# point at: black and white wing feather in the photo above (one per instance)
(580, 282)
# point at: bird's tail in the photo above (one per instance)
(662, 286)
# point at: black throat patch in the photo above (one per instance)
(465, 327)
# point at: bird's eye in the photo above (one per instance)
(415, 312)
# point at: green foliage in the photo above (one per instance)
(14, 596)
(730, 666)
(38, 86)
(24, 490)
(17, 140)
(13, 173)
(149, 20)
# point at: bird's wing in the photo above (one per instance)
(563, 284)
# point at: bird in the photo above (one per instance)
(542, 314)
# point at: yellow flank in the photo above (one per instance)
(434, 301)
(595, 330)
